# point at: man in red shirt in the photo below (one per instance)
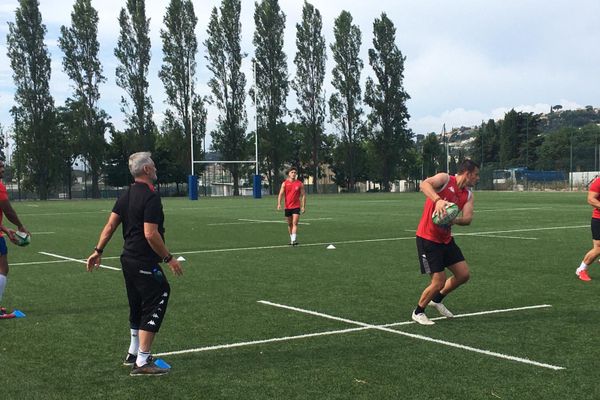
(295, 202)
(594, 201)
(11, 215)
(435, 245)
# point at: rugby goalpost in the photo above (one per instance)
(193, 179)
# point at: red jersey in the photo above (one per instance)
(594, 187)
(292, 190)
(3, 196)
(442, 233)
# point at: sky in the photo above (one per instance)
(466, 60)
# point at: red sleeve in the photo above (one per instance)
(3, 193)
(594, 187)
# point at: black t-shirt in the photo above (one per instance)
(137, 205)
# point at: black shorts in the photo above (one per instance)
(148, 293)
(435, 257)
(291, 211)
(595, 228)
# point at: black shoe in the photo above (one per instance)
(130, 360)
(149, 369)
(295, 243)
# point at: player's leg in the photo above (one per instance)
(454, 260)
(460, 276)
(431, 262)
(588, 259)
(135, 316)
(294, 229)
(3, 270)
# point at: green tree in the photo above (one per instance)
(272, 85)
(344, 104)
(133, 53)
(177, 73)
(387, 99)
(82, 65)
(432, 153)
(308, 84)
(228, 84)
(33, 112)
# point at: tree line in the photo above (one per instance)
(49, 138)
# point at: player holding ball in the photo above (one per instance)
(435, 245)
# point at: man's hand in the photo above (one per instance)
(175, 267)
(93, 261)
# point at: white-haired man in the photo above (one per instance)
(139, 209)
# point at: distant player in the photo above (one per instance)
(591, 256)
(11, 215)
(295, 202)
(435, 245)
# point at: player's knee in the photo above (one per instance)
(464, 278)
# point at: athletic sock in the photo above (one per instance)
(438, 297)
(135, 342)
(2, 285)
(582, 267)
(419, 310)
(293, 237)
(142, 358)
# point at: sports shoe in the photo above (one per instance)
(150, 369)
(3, 311)
(295, 243)
(422, 319)
(583, 275)
(441, 309)
(129, 360)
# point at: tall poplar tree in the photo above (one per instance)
(33, 112)
(272, 85)
(308, 84)
(186, 116)
(344, 104)
(81, 63)
(133, 53)
(387, 98)
(228, 84)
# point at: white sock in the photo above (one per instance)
(2, 285)
(142, 358)
(582, 267)
(293, 237)
(135, 342)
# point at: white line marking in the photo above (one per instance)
(76, 260)
(415, 336)
(65, 213)
(43, 233)
(336, 332)
(506, 237)
(38, 262)
(513, 209)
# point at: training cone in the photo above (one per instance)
(180, 258)
(331, 247)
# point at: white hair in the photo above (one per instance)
(137, 162)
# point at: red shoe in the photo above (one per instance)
(583, 275)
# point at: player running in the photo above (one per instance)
(435, 245)
(594, 201)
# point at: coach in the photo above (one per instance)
(148, 292)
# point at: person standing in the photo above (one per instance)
(140, 211)
(295, 202)
(435, 245)
(591, 256)
(6, 209)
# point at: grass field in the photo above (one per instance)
(522, 249)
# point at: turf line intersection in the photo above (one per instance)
(386, 328)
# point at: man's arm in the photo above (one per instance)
(430, 188)
(11, 215)
(467, 214)
(592, 199)
(281, 192)
(158, 245)
(93, 261)
(302, 199)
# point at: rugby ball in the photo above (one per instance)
(451, 213)
(23, 238)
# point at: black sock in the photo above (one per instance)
(438, 297)
(419, 310)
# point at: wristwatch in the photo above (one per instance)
(99, 251)
(168, 258)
